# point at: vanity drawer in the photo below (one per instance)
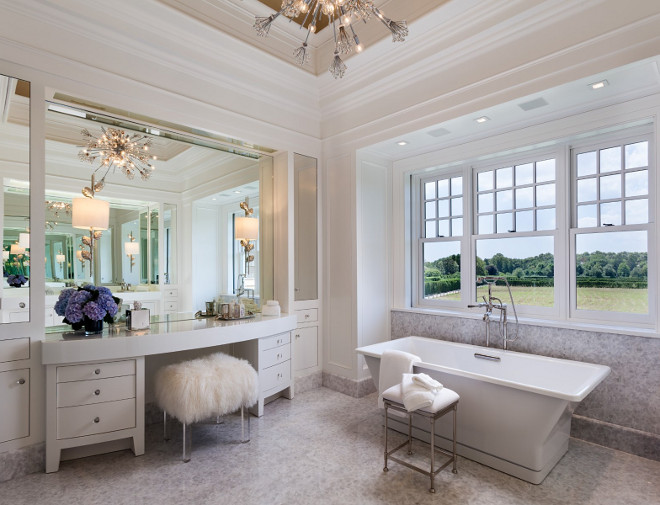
(171, 306)
(275, 341)
(95, 371)
(71, 394)
(307, 315)
(170, 293)
(275, 377)
(274, 356)
(92, 419)
(14, 349)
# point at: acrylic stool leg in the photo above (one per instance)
(187, 442)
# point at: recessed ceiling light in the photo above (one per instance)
(402, 143)
(482, 119)
(599, 84)
(237, 192)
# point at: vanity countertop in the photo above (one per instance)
(167, 333)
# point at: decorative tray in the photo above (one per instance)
(223, 318)
(200, 314)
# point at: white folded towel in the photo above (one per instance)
(415, 396)
(393, 364)
(426, 381)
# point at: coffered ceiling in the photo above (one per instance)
(236, 18)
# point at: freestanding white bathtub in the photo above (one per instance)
(515, 410)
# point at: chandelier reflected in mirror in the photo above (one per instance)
(341, 15)
(115, 148)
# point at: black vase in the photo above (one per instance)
(93, 327)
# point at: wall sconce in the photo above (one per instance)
(60, 258)
(17, 250)
(80, 258)
(132, 248)
(93, 215)
(5, 255)
(24, 240)
(246, 229)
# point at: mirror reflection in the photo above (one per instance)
(15, 170)
(137, 209)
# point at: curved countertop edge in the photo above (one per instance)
(162, 338)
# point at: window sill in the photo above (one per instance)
(535, 321)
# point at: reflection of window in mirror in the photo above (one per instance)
(170, 241)
(15, 197)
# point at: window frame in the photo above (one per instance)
(565, 291)
(629, 136)
(419, 230)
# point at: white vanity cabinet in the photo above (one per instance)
(93, 403)
(306, 338)
(14, 389)
(271, 358)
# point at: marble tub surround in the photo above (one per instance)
(325, 448)
(623, 412)
(357, 388)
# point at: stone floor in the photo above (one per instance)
(321, 448)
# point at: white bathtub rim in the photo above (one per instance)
(602, 371)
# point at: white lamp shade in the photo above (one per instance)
(132, 248)
(79, 254)
(60, 258)
(246, 228)
(90, 214)
(5, 255)
(17, 249)
(24, 240)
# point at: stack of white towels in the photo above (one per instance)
(419, 390)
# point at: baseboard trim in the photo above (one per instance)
(308, 382)
(357, 388)
(614, 436)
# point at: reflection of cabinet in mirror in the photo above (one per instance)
(306, 336)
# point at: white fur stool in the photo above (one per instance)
(206, 387)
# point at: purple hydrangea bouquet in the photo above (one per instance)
(87, 306)
(16, 280)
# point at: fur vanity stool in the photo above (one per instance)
(203, 388)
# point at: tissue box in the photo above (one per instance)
(137, 319)
(272, 308)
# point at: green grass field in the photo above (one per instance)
(605, 299)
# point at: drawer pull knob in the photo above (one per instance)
(20, 381)
(297, 335)
(97, 419)
(22, 305)
(97, 371)
(97, 392)
(306, 316)
(279, 356)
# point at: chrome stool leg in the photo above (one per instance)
(432, 488)
(410, 451)
(385, 469)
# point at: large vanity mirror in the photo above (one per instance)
(15, 169)
(119, 195)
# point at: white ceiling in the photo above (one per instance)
(624, 83)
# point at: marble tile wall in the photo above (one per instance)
(623, 412)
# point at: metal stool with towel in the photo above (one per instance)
(432, 407)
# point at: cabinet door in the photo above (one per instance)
(305, 348)
(15, 399)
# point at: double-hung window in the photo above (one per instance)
(515, 223)
(441, 237)
(611, 229)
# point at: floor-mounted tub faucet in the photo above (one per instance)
(491, 303)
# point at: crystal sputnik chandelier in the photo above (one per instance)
(341, 15)
(117, 149)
